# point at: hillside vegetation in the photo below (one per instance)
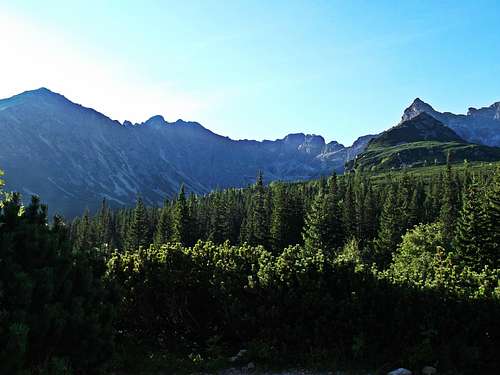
(358, 271)
(419, 141)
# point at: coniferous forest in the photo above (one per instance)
(362, 270)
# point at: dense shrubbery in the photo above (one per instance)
(303, 302)
(401, 270)
(55, 311)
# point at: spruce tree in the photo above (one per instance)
(256, 223)
(492, 221)
(389, 233)
(163, 228)
(286, 218)
(370, 215)
(53, 303)
(350, 219)
(104, 226)
(218, 231)
(449, 207)
(181, 220)
(471, 231)
(84, 233)
(137, 234)
(323, 227)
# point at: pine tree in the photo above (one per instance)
(104, 230)
(389, 233)
(218, 231)
(286, 218)
(471, 231)
(449, 207)
(369, 215)
(137, 234)
(54, 304)
(181, 220)
(84, 233)
(491, 245)
(404, 200)
(350, 219)
(256, 223)
(163, 228)
(323, 226)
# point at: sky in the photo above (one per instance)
(256, 69)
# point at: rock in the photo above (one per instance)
(241, 353)
(238, 356)
(400, 371)
(429, 370)
(251, 366)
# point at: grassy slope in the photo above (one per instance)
(424, 153)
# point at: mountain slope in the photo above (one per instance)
(422, 127)
(480, 126)
(418, 141)
(74, 156)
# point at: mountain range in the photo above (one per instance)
(419, 141)
(74, 156)
(481, 126)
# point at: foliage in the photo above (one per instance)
(345, 268)
(54, 308)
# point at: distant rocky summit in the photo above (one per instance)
(418, 141)
(481, 126)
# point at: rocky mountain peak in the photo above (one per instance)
(422, 127)
(492, 112)
(155, 120)
(416, 107)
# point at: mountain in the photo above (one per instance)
(422, 127)
(418, 141)
(480, 126)
(74, 156)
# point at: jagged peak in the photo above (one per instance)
(420, 104)
(416, 107)
(155, 119)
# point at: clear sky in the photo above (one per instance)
(256, 69)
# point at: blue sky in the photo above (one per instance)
(256, 69)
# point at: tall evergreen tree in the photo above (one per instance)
(389, 233)
(163, 228)
(370, 219)
(492, 223)
(104, 226)
(469, 242)
(286, 218)
(323, 224)
(181, 231)
(256, 224)
(449, 207)
(85, 236)
(219, 219)
(138, 231)
(350, 219)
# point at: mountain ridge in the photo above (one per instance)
(481, 126)
(419, 141)
(74, 156)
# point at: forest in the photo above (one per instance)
(362, 270)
